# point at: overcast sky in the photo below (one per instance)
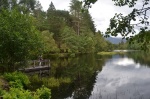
(101, 11)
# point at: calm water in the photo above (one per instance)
(106, 77)
(122, 78)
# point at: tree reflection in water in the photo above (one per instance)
(82, 70)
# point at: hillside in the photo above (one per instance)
(115, 40)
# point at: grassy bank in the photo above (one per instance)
(59, 55)
(109, 53)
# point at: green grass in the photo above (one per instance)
(109, 53)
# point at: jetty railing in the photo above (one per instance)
(37, 65)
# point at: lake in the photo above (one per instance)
(125, 76)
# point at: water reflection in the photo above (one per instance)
(82, 71)
(122, 78)
(140, 57)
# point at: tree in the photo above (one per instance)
(56, 21)
(70, 39)
(49, 42)
(19, 39)
(40, 17)
(88, 21)
(65, 16)
(139, 43)
(100, 42)
(51, 7)
(4, 4)
(75, 9)
(27, 6)
(121, 24)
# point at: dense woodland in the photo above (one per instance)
(27, 31)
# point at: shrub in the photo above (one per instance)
(43, 93)
(17, 93)
(16, 84)
(17, 78)
(1, 92)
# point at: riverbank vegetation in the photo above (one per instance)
(110, 53)
(17, 87)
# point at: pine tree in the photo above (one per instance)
(51, 7)
(88, 21)
(75, 9)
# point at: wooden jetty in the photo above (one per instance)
(37, 65)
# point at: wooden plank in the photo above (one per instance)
(37, 67)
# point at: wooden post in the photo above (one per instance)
(48, 63)
(34, 64)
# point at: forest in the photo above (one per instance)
(31, 32)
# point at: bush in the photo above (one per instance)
(1, 92)
(43, 93)
(17, 79)
(16, 84)
(17, 93)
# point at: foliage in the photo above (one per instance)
(1, 91)
(100, 42)
(70, 39)
(49, 42)
(18, 37)
(109, 53)
(88, 21)
(138, 43)
(19, 93)
(43, 93)
(4, 5)
(17, 79)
